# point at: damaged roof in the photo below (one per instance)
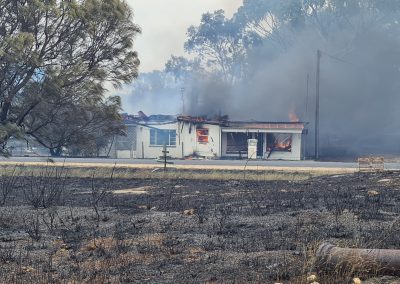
(266, 125)
(223, 121)
(219, 120)
(142, 118)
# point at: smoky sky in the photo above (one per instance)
(164, 24)
(359, 88)
(153, 93)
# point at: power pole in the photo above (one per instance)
(317, 106)
(306, 119)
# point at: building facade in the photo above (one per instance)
(195, 137)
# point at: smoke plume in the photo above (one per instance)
(359, 84)
(359, 88)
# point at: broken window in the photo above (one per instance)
(202, 135)
(236, 143)
(160, 137)
(279, 142)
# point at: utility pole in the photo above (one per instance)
(317, 106)
(305, 132)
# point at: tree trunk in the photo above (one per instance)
(4, 111)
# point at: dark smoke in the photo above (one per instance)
(359, 84)
(208, 97)
(360, 88)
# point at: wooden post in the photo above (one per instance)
(165, 152)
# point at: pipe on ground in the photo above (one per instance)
(377, 261)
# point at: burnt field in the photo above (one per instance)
(57, 228)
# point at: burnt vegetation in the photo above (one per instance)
(57, 228)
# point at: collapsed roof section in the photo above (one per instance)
(259, 125)
(222, 121)
(218, 120)
(141, 118)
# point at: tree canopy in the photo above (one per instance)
(220, 45)
(61, 51)
(261, 63)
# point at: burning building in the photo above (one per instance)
(187, 136)
(275, 140)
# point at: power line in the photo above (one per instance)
(341, 60)
(336, 58)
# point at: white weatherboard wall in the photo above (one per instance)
(147, 151)
(187, 136)
(212, 148)
(186, 141)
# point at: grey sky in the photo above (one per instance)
(164, 24)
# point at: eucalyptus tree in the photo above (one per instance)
(72, 45)
(220, 45)
(283, 21)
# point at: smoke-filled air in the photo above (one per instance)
(261, 64)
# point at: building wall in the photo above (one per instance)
(188, 144)
(147, 151)
(186, 141)
(192, 146)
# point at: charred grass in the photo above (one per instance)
(111, 227)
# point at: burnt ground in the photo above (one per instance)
(60, 229)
